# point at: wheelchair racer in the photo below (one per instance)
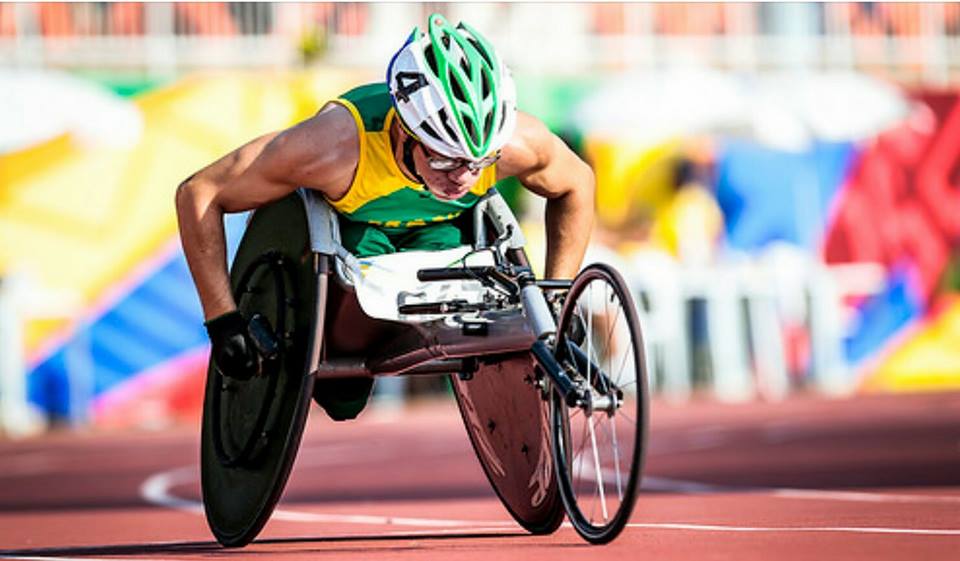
(398, 161)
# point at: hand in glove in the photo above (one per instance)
(232, 348)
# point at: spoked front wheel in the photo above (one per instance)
(599, 442)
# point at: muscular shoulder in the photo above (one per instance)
(319, 153)
(530, 149)
(541, 161)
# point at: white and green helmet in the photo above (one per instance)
(452, 90)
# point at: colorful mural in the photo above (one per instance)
(95, 228)
(899, 207)
(121, 341)
(877, 190)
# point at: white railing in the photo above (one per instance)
(918, 43)
(17, 418)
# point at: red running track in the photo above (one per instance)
(868, 478)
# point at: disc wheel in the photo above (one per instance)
(599, 444)
(251, 428)
(509, 428)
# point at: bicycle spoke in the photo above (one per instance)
(596, 466)
(613, 327)
(590, 339)
(583, 440)
(626, 416)
(622, 364)
(616, 459)
(608, 346)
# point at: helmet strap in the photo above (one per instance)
(408, 145)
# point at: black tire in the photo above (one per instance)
(594, 450)
(251, 428)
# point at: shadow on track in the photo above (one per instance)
(208, 548)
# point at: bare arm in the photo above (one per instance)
(547, 167)
(319, 153)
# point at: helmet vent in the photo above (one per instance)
(483, 52)
(471, 128)
(446, 124)
(431, 60)
(429, 130)
(450, 84)
(457, 90)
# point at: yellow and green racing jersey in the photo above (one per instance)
(380, 194)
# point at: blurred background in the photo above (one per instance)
(778, 182)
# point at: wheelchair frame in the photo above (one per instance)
(504, 374)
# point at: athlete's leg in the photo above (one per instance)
(345, 399)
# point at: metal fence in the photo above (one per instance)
(906, 42)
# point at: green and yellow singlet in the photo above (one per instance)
(380, 194)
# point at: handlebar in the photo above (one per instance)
(449, 307)
(455, 273)
(488, 273)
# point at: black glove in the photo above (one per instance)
(232, 348)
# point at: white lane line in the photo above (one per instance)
(859, 496)
(294, 516)
(842, 529)
(647, 526)
(694, 487)
(156, 490)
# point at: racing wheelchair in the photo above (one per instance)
(549, 375)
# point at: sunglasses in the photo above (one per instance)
(444, 163)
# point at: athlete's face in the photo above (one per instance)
(446, 185)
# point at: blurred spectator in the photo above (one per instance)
(691, 224)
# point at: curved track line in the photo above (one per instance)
(156, 490)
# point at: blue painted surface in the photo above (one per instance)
(771, 195)
(884, 315)
(158, 320)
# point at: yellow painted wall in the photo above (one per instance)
(75, 220)
(929, 360)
